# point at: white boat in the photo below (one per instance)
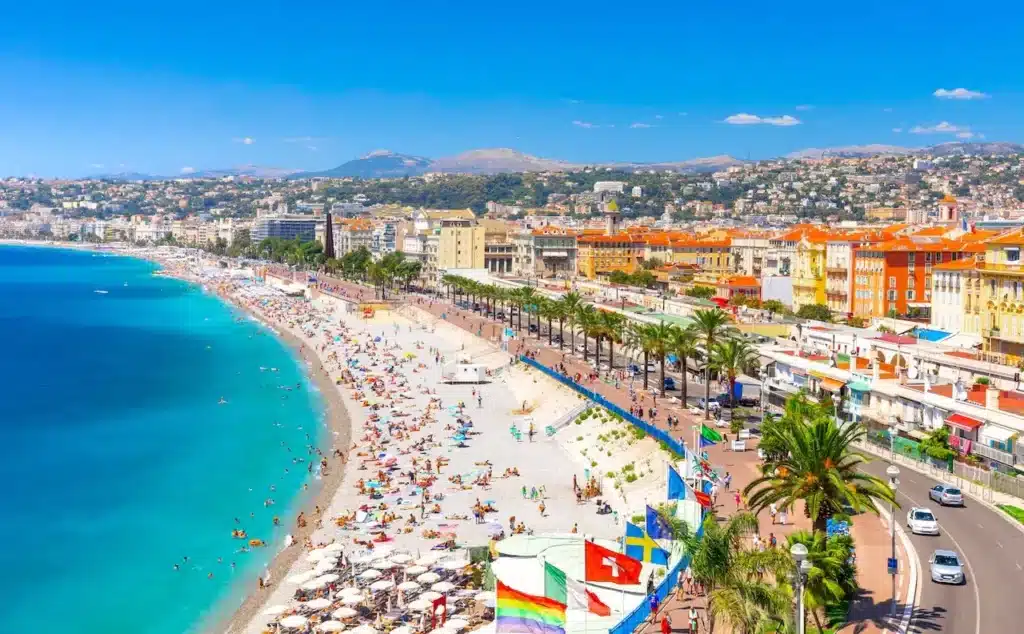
(101, 292)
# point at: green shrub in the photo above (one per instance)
(1015, 512)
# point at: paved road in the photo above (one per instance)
(993, 550)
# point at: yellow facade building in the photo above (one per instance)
(460, 245)
(809, 281)
(1002, 297)
(599, 254)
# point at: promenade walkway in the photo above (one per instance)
(868, 611)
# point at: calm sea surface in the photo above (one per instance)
(117, 459)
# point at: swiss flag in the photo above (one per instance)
(604, 565)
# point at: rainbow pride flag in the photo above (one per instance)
(520, 613)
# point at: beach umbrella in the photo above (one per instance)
(419, 604)
(429, 577)
(401, 558)
(315, 584)
(351, 599)
(301, 578)
(351, 590)
(334, 548)
(365, 629)
(484, 597)
(430, 595)
(454, 565)
(317, 604)
(383, 565)
(443, 586)
(415, 570)
(317, 554)
(326, 565)
(331, 626)
(408, 585)
(402, 629)
(440, 630)
(293, 621)
(427, 559)
(344, 613)
(456, 624)
(369, 573)
(363, 558)
(274, 610)
(329, 578)
(383, 584)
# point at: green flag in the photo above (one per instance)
(710, 434)
(554, 584)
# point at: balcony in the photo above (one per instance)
(1016, 268)
(837, 269)
(836, 292)
(991, 453)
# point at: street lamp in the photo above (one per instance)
(836, 400)
(893, 422)
(799, 553)
(893, 472)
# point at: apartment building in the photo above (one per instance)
(956, 297)
(600, 254)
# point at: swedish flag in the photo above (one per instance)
(639, 545)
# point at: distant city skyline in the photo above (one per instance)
(143, 89)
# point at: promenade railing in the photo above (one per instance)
(660, 435)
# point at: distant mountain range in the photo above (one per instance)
(387, 164)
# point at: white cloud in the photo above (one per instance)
(312, 148)
(658, 116)
(188, 170)
(585, 124)
(98, 166)
(965, 135)
(944, 127)
(752, 119)
(897, 130)
(246, 140)
(959, 93)
(640, 126)
(804, 107)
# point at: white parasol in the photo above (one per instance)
(402, 629)
(301, 578)
(317, 604)
(419, 604)
(317, 554)
(486, 597)
(443, 586)
(383, 564)
(350, 590)
(415, 570)
(274, 610)
(351, 599)
(369, 573)
(427, 559)
(401, 558)
(331, 626)
(329, 577)
(344, 613)
(454, 565)
(430, 595)
(315, 584)
(365, 629)
(334, 548)
(293, 621)
(408, 585)
(429, 577)
(383, 584)
(456, 624)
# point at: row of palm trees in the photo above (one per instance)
(710, 330)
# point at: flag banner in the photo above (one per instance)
(571, 592)
(639, 545)
(516, 612)
(676, 485)
(605, 565)
(657, 526)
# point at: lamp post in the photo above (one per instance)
(836, 400)
(893, 472)
(799, 553)
(893, 422)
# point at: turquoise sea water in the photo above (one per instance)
(116, 460)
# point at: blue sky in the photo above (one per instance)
(101, 87)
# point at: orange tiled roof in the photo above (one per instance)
(963, 264)
(937, 232)
(1014, 237)
(740, 281)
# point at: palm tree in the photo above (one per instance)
(638, 339)
(661, 335)
(817, 464)
(571, 303)
(738, 592)
(528, 299)
(831, 577)
(710, 326)
(683, 344)
(733, 357)
(588, 322)
(547, 310)
(559, 312)
(612, 327)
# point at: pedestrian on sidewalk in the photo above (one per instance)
(693, 620)
(773, 511)
(666, 625)
(654, 607)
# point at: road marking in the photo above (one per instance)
(980, 526)
(1018, 567)
(1000, 544)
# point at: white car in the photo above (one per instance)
(922, 521)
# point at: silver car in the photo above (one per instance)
(946, 495)
(946, 567)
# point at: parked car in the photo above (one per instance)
(946, 495)
(533, 328)
(946, 567)
(921, 521)
(670, 383)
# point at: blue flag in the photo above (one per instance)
(676, 485)
(640, 546)
(704, 442)
(657, 527)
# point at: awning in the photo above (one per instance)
(996, 433)
(859, 386)
(964, 422)
(832, 385)
(917, 434)
(554, 254)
